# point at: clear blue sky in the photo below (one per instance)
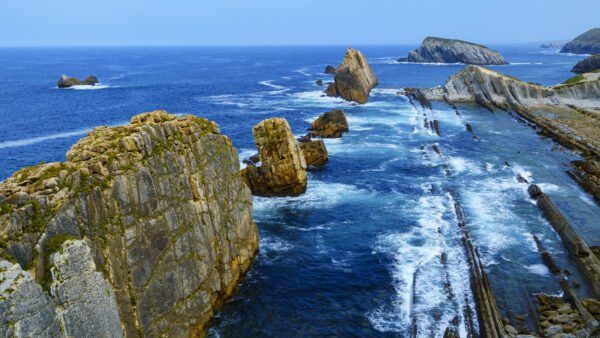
(289, 22)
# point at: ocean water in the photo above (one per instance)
(360, 253)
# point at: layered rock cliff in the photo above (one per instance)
(439, 50)
(588, 64)
(163, 208)
(586, 43)
(354, 78)
(283, 168)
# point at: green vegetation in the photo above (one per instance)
(443, 40)
(5, 208)
(8, 257)
(575, 79)
(87, 186)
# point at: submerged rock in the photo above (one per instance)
(586, 43)
(329, 69)
(67, 81)
(354, 78)
(165, 212)
(330, 125)
(588, 64)
(315, 152)
(283, 168)
(439, 50)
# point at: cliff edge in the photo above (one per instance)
(586, 43)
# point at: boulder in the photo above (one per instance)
(283, 168)
(586, 43)
(439, 50)
(67, 81)
(330, 125)
(354, 78)
(319, 82)
(329, 69)
(315, 152)
(588, 64)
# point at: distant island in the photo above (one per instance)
(586, 43)
(554, 44)
(440, 50)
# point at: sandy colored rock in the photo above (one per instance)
(283, 168)
(354, 78)
(330, 125)
(315, 152)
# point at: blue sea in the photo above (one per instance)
(359, 254)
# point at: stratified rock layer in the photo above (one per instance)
(586, 43)
(439, 50)
(315, 152)
(161, 203)
(588, 64)
(330, 125)
(354, 78)
(283, 167)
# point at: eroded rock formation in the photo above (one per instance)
(439, 50)
(315, 152)
(67, 81)
(330, 125)
(163, 207)
(588, 64)
(283, 168)
(354, 78)
(586, 43)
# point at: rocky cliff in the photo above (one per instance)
(283, 168)
(167, 218)
(586, 43)
(354, 78)
(588, 64)
(439, 50)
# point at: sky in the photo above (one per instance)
(289, 22)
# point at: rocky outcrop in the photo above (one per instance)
(163, 207)
(586, 43)
(67, 81)
(283, 168)
(330, 125)
(439, 50)
(329, 69)
(315, 152)
(554, 44)
(81, 303)
(319, 82)
(588, 64)
(354, 78)
(580, 252)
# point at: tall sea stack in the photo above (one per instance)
(354, 78)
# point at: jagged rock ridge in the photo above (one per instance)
(161, 203)
(439, 50)
(354, 78)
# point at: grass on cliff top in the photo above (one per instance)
(53, 245)
(593, 35)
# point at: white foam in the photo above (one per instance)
(302, 71)
(538, 269)
(280, 89)
(320, 98)
(432, 63)
(88, 87)
(384, 91)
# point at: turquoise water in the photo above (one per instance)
(360, 253)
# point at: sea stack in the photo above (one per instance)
(330, 125)
(586, 43)
(315, 152)
(283, 168)
(588, 64)
(439, 50)
(144, 231)
(354, 78)
(67, 81)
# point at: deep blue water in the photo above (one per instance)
(359, 253)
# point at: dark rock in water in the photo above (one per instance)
(315, 152)
(552, 45)
(521, 179)
(329, 69)
(330, 125)
(588, 64)
(403, 59)
(439, 50)
(252, 160)
(319, 82)
(469, 128)
(67, 81)
(586, 43)
(283, 168)
(91, 81)
(354, 78)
